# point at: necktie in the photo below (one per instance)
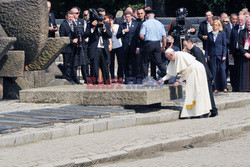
(71, 26)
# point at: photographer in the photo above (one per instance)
(181, 27)
(52, 22)
(99, 33)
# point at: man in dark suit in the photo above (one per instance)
(235, 53)
(99, 34)
(205, 27)
(122, 19)
(129, 33)
(80, 23)
(198, 54)
(67, 30)
(52, 21)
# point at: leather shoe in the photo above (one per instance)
(214, 114)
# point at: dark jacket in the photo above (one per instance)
(94, 39)
(217, 48)
(65, 31)
(52, 23)
(233, 39)
(130, 38)
(202, 32)
(198, 54)
(227, 29)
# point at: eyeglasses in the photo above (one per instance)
(139, 13)
(85, 15)
(225, 21)
(76, 13)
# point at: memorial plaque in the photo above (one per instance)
(112, 111)
(44, 117)
(24, 122)
(82, 114)
(9, 129)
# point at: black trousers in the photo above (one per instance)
(130, 63)
(152, 53)
(120, 59)
(234, 72)
(210, 88)
(85, 72)
(100, 61)
(67, 62)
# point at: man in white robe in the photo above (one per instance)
(197, 102)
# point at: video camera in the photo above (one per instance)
(96, 16)
(181, 14)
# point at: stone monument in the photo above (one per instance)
(24, 25)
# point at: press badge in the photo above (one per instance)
(247, 42)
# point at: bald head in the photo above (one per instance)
(49, 5)
(129, 9)
(242, 20)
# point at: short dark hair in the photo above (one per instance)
(188, 39)
(76, 7)
(111, 16)
(140, 9)
(69, 12)
(209, 11)
(128, 13)
(100, 10)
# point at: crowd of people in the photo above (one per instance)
(137, 39)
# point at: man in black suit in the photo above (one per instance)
(205, 27)
(122, 19)
(99, 34)
(67, 30)
(129, 33)
(52, 22)
(80, 23)
(235, 53)
(198, 54)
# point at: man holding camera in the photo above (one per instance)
(181, 27)
(99, 33)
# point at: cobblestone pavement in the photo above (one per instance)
(75, 147)
(232, 152)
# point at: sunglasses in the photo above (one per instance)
(76, 13)
(85, 15)
(225, 21)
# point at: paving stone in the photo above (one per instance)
(24, 122)
(23, 139)
(86, 128)
(100, 109)
(8, 129)
(100, 126)
(43, 116)
(82, 114)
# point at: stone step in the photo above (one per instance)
(43, 117)
(24, 122)
(81, 114)
(111, 111)
(102, 95)
(9, 129)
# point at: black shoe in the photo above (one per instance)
(214, 114)
(77, 81)
(72, 82)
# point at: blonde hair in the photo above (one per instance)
(220, 25)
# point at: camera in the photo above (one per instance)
(95, 16)
(79, 32)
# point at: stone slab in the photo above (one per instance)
(2, 32)
(12, 64)
(43, 117)
(5, 45)
(27, 20)
(112, 111)
(51, 51)
(24, 122)
(82, 114)
(9, 129)
(101, 95)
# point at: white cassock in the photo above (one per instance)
(197, 101)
